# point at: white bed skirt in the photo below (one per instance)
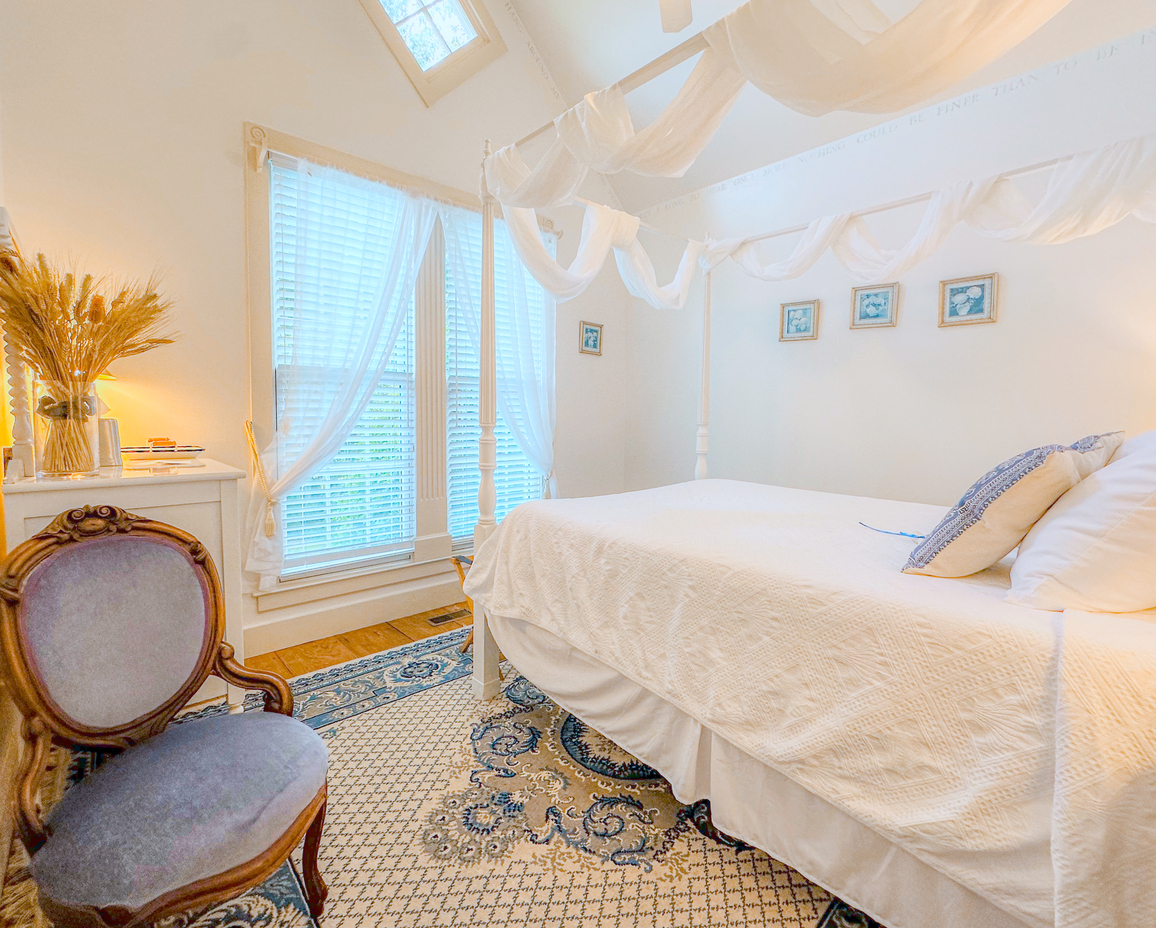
(749, 800)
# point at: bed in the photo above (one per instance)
(933, 755)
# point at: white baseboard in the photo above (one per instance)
(297, 624)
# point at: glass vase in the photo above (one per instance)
(66, 427)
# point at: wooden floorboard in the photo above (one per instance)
(315, 655)
(325, 652)
(270, 662)
(365, 641)
(420, 626)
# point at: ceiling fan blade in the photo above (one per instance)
(676, 15)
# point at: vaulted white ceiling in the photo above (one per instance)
(590, 44)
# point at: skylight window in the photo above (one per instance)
(438, 43)
(431, 31)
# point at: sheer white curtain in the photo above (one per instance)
(524, 345)
(603, 230)
(819, 236)
(600, 134)
(869, 262)
(1086, 194)
(817, 56)
(350, 236)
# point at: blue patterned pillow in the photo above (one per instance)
(999, 509)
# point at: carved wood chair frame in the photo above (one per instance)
(45, 724)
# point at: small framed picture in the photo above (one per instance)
(874, 307)
(798, 321)
(967, 300)
(589, 338)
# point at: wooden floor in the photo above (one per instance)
(317, 655)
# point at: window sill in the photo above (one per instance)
(431, 557)
(348, 567)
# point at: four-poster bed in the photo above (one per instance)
(921, 748)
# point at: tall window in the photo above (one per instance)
(516, 479)
(362, 505)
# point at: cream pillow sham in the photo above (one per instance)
(996, 513)
(1095, 549)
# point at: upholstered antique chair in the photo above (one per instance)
(111, 622)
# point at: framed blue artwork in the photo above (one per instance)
(874, 307)
(798, 321)
(967, 300)
(589, 338)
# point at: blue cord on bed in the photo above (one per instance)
(884, 531)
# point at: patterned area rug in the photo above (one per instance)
(443, 811)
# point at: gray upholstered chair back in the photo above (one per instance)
(114, 617)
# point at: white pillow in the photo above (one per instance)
(1095, 549)
(995, 514)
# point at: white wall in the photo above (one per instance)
(123, 146)
(915, 412)
(590, 441)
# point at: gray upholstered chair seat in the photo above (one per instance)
(198, 799)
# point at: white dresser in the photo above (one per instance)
(200, 500)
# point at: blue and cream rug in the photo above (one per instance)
(443, 811)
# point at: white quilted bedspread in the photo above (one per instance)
(1011, 749)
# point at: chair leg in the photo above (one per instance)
(315, 889)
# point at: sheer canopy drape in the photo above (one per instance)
(524, 342)
(350, 236)
(820, 57)
(814, 56)
(603, 230)
(1086, 194)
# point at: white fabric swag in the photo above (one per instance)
(524, 355)
(599, 134)
(330, 386)
(815, 56)
(603, 230)
(1086, 194)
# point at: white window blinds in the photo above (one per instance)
(362, 503)
(516, 479)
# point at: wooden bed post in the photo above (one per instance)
(487, 406)
(486, 681)
(702, 443)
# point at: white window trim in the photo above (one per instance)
(453, 71)
(434, 543)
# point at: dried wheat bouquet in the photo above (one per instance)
(70, 328)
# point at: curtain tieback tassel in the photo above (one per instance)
(259, 469)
